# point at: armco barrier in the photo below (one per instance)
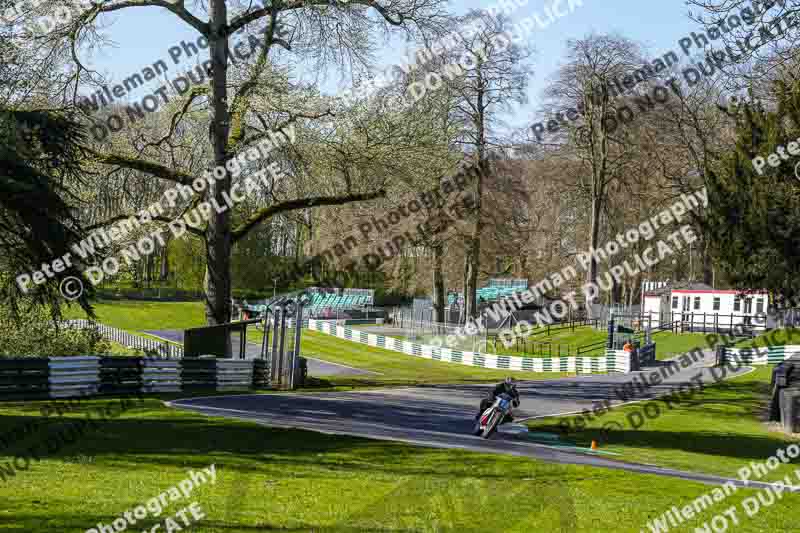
(790, 410)
(63, 377)
(24, 378)
(163, 348)
(73, 376)
(261, 372)
(161, 375)
(620, 360)
(612, 361)
(120, 374)
(772, 355)
(233, 375)
(785, 403)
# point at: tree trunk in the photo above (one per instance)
(164, 269)
(439, 297)
(150, 267)
(218, 235)
(708, 267)
(474, 242)
(471, 292)
(594, 244)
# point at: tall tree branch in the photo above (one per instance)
(149, 167)
(158, 218)
(175, 7)
(241, 102)
(300, 203)
(292, 118)
(245, 19)
(178, 116)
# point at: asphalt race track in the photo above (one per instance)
(443, 415)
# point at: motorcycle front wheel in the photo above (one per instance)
(492, 424)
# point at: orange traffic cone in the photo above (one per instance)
(594, 445)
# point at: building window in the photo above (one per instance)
(674, 302)
(696, 303)
(748, 305)
(737, 303)
(716, 303)
(760, 306)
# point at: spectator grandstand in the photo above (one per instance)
(495, 290)
(321, 302)
(335, 300)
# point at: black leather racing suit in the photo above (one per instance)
(499, 389)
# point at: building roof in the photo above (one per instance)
(681, 286)
(698, 287)
(692, 286)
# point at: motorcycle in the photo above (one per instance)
(491, 418)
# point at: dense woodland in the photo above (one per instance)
(535, 201)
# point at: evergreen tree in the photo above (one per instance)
(753, 218)
(40, 155)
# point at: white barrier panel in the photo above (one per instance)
(612, 361)
(161, 376)
(234, 375)
(73, 376)
(761, 356)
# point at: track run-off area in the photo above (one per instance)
(443, 415)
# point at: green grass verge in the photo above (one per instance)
(717, 430)
(776, 337)
(542, 344)
(290, 480)
(398, 368)
(137, 316)
(670, 344)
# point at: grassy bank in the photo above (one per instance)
(273, 479)
(777, 337)
(398, 368)
(137, 316)
(567, 340)
(717, 430)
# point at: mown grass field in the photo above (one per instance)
(301, 481)
(137, 316)
(567, 341)
(289, 480)
(397, 368)
(669, 345)
(717, 430)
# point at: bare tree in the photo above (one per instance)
(494, 74)
(596, 142)
(747, 39)
(241, 111)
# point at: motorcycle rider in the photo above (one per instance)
(507, 386)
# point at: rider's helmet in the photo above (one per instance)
(509, 381)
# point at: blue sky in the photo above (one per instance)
(143, 35)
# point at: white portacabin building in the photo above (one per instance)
(703, 308)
